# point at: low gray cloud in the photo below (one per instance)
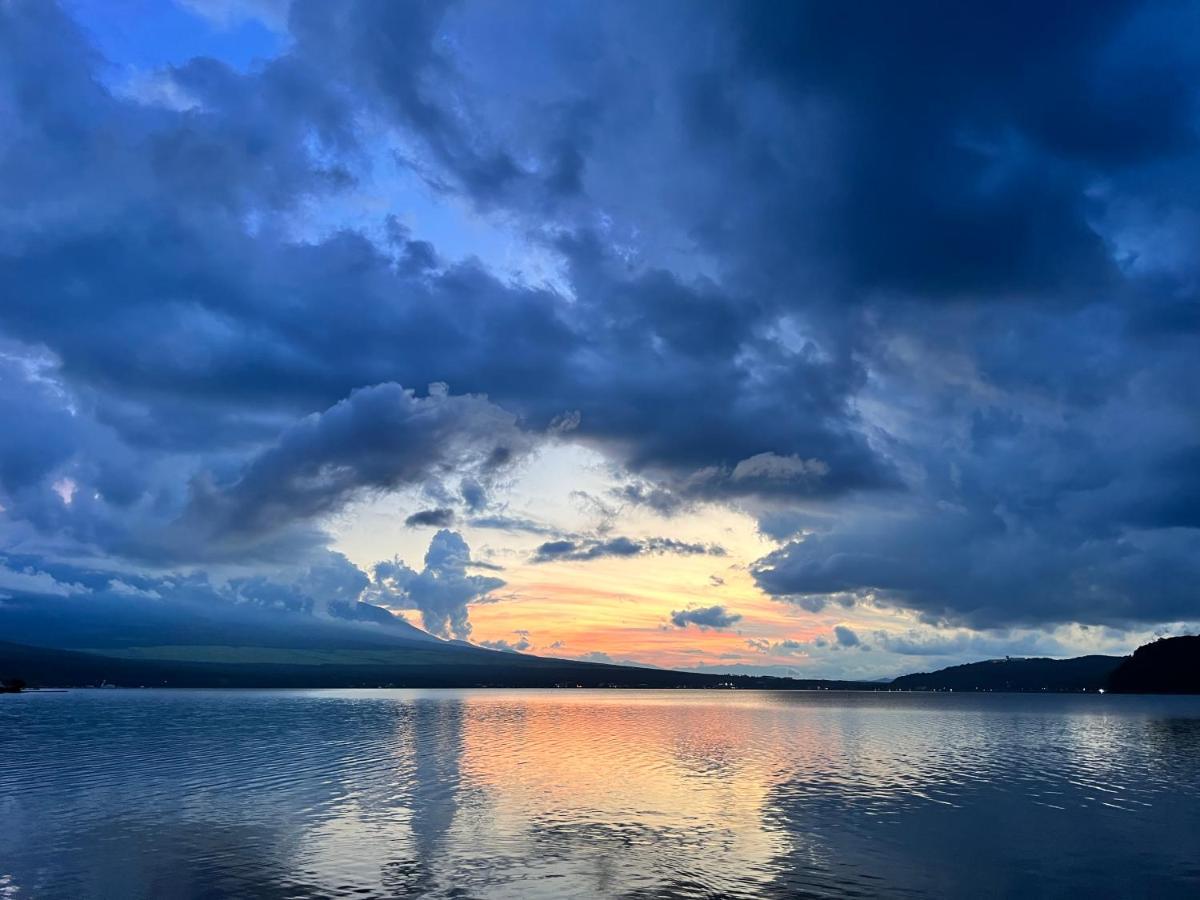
(513, 524)
(598, 548)
(846, 636)
(71, 605)
(431, 518)
(705, 617)
(29, 580)
(843, 637)
(599, 656)
(521, 644)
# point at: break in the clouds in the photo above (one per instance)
(916, 287)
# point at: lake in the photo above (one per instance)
(571, 793)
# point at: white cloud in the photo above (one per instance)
(33, 581)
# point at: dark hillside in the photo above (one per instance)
(1166, 666)
(44, 667)
(1083, 673)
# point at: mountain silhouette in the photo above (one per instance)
(1166, 666)
(1082, 673)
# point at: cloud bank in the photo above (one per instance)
(918, 293)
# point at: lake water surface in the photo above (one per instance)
(635, 794)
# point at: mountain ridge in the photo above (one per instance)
(475, 667)
(1017, 674)
(63, 641)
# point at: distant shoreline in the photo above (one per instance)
(1167, 666)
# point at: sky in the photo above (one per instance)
(828, 339)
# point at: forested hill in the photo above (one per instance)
(1166, 666)
(1083, 673)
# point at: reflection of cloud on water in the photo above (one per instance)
(643, 796)
(172, 859)
(615, 791)
(433, 744)
(940, 795)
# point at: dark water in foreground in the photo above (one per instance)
(162, 794)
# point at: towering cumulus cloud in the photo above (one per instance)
(913, 286)
(441, 591)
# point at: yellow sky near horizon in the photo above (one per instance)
(619, 606)
(622, 606)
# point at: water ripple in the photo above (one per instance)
(596, 794)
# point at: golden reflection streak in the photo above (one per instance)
(642, 758)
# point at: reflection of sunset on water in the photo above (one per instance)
(638, 765)
(633, 795)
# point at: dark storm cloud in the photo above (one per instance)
(1044, 509)
(704, 618)
(975, 567)
(947, 177)
(672, 374)
(598, 548)
(378, 439)
(915, 285)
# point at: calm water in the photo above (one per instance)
(163, 794)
